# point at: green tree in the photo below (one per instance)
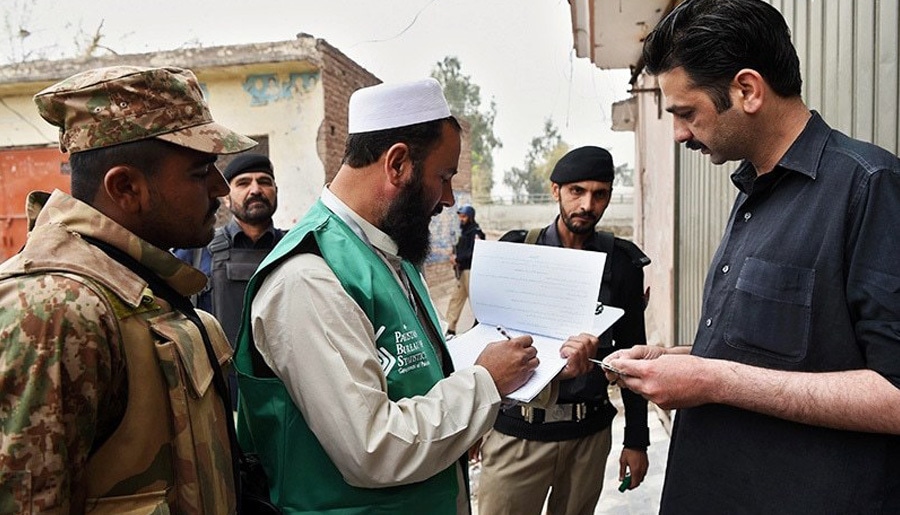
(464, 97)
(531, 183)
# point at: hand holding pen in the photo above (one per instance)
(510, 361)
(576, 351)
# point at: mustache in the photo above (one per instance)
(255, 198)
(694, 144)
(586, 215)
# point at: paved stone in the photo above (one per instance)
(645, 498)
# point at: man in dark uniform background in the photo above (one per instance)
(564, 449)
(462, 263)
(235, 251)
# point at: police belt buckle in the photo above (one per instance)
(559, 413)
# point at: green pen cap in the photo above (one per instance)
(625, 483)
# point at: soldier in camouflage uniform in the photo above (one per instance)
(106, 401)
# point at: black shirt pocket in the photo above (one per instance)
(771, 311)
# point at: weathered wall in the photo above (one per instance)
(20, 124)
(655, 209)
(20, 170)
(277, 91)
(292, 94)
(340, 78)
(284, 103)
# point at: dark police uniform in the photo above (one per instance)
(585, 397)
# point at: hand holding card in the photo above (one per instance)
(606, 366)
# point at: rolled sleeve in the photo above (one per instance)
(873, 285)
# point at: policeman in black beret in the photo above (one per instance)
(245, 163)
(240, 246)
(577, 430)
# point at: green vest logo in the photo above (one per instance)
(409, 351)
(386, 361)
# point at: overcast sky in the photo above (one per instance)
(518, 51)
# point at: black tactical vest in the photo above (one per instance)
(230, 270)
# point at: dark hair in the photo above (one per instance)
(366, 148)
(90, 166)
(714, 39)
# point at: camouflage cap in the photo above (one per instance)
(107, 106)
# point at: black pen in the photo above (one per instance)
(503, 332)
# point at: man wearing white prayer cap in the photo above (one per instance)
(347, 391)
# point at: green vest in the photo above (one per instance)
(302, 478)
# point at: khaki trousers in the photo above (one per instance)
(517, 473)
(458, 300)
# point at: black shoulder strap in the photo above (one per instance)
(183, 304)
(219, 246)
(608, 245)
(607, 241)
(159, 287)
(637, 256)
(514, 236)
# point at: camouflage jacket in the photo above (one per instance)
(106, 401)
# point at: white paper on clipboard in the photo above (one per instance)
(533, 289)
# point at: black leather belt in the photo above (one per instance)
(574, 412)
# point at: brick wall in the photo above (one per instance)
(340, 78)
(441, 281)
(462, 181)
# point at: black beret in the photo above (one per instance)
(584, 164)
(248, 163)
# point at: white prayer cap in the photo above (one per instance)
(388, 106)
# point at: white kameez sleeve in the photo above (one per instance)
(321, 345)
